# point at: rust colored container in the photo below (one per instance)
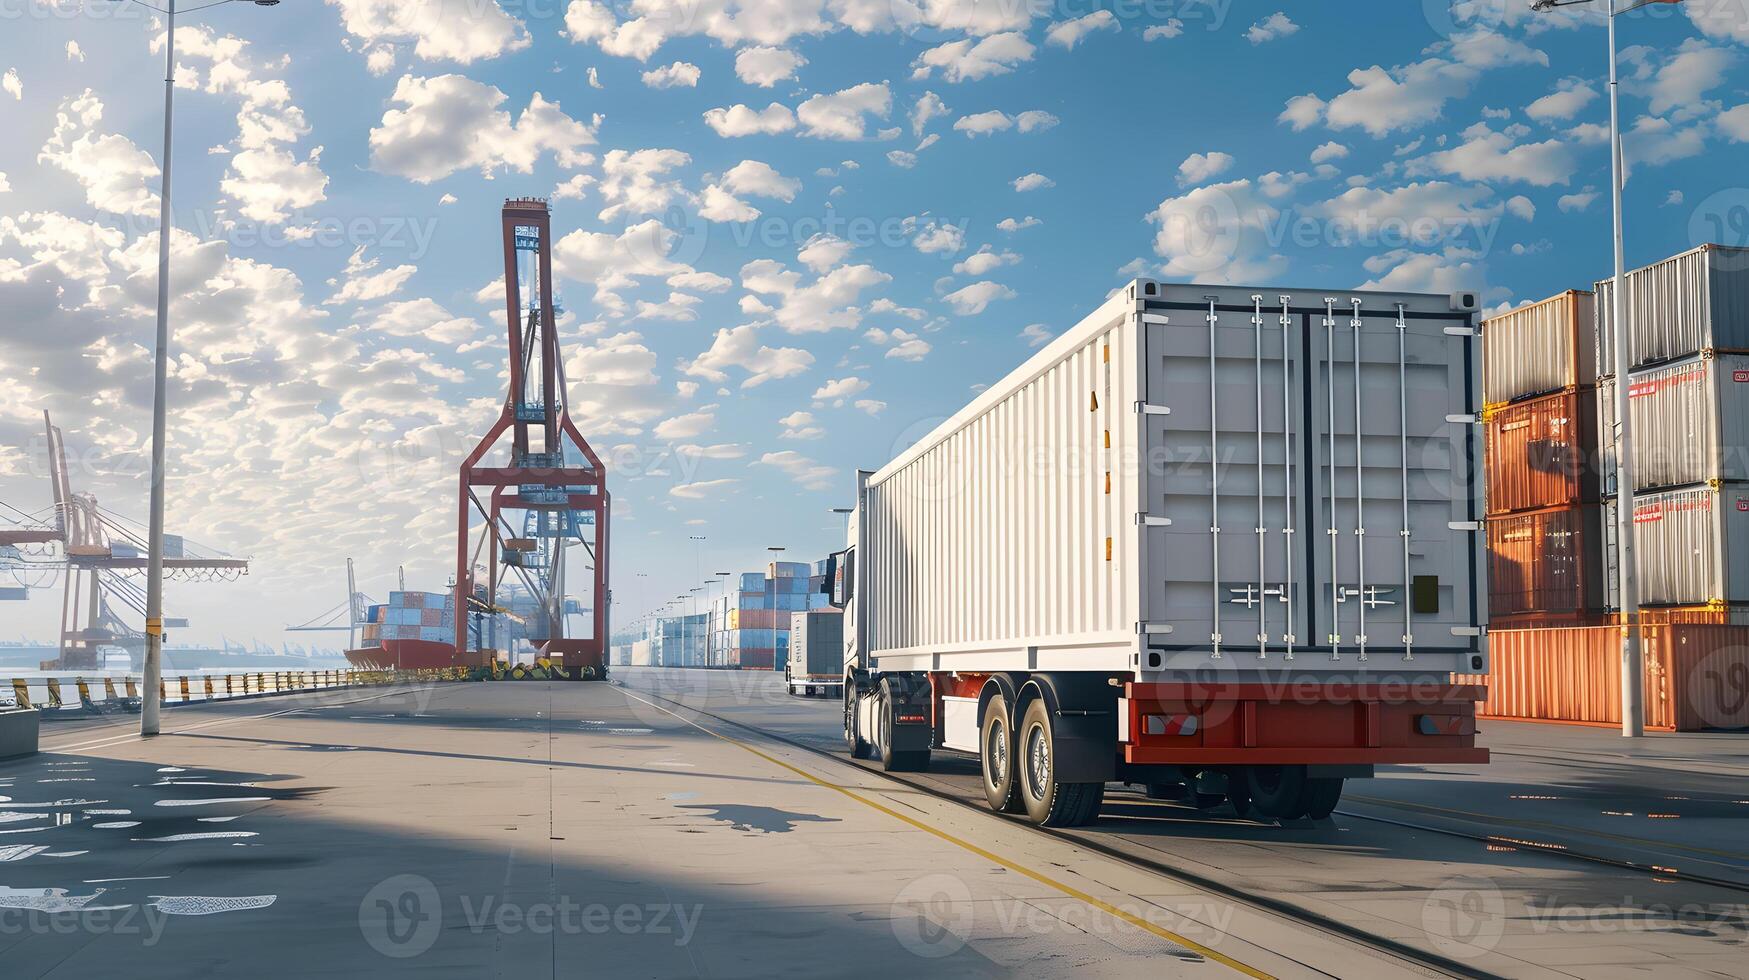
(1542, 453)
(1696, 677)
(1546, 564)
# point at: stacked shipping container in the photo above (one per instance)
(1553, 568)
(1544, 525)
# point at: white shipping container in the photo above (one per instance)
(1690, 422)
(1691, 547)
(1687, 304)
(1540, 348)
(1083, 514)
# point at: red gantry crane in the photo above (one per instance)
(553, 494)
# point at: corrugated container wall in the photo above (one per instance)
(816, 646)
(1689, 303)
(1690, 422)
(1691, 547)
(1539, 348)
(1574, 675)
(1125, 498)
(1545, 564)
(1542, 453)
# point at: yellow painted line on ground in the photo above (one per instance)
(1020, 869)
(1544, 826)
(109, 740)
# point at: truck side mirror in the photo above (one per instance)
(840, 578)
(830, 579)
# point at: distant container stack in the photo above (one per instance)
(426, 616)
(1554, 595)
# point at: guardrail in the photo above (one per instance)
(51, 693)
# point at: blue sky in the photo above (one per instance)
(939, 186)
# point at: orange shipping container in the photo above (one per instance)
(1546, 563)
(1542, 453)
(1696, 677)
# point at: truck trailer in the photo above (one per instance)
(1220, 542)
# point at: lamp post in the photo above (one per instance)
(722, 580)
(154, 663)
(1633, 720)
(772, 578)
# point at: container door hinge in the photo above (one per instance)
(1463, 419)
(1472, 526)
(1156, 319)
(1144, 408)
(1460, 331)
(1153, 629)
(1149, 520)
(1466, 631)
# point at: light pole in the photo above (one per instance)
(1633, 721)
(154, 663)
(722, 579)
(772, 578)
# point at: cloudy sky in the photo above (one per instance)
(792, 233)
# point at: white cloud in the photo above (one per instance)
(74, 53)
(594, 77)
(574, 189)
(1033, 182)
(1655, 140)
(1487, 154)
(904, 159)
(702, 489)
(870, 406)
(690, 425)
(1521, 207)
(1329, 151)
(837, 391)
(983, 261)
(1719, 20)
(1403, 270)
(1036, 334)
(969, 60)
(422, 318)
(1381, 101)
(935, 236)
(363, 284)
(751, 178)
(927, 107)
(633, 183)
(766, 66)
(1276, 25)
(1696, 69)
(1571, 97)
(113, 171)
(826, 303)
(974, 299)
(1200, 167)
(1577, 202)
(1734, 123)
(901, 344)
(449, 30)
(804, 471)
(1171, 29)
(741, 120)
(611, 263)
(842, 115)
(739, 348)
(12, 84)
(800, 425)
(1215, 231)
(449, 123)
(1012, 225)
(1302, 112)
(983, 123)
(1035, 119)
(824, 252)
(1068, 33)
(680, 74)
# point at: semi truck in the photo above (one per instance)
(1221, 543)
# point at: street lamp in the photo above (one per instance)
(154, 665)
(722, 579)
(773, 580)
(1633, 721)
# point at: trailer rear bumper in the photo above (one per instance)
(1319, 723)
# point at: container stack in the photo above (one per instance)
(1540, 432)
(750, 627)
(428, 616)
(1555, 641)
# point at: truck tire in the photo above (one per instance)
(1049, 802)
(1276, 791)
(853, 741)
(1319, 797)
(893, 761)
(996, 755)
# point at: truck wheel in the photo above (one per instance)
(1049, 803)
(893, 761)
(996, 752)
(1276, 790)
(1319, 798)
(1239, 794)
(859, 749)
